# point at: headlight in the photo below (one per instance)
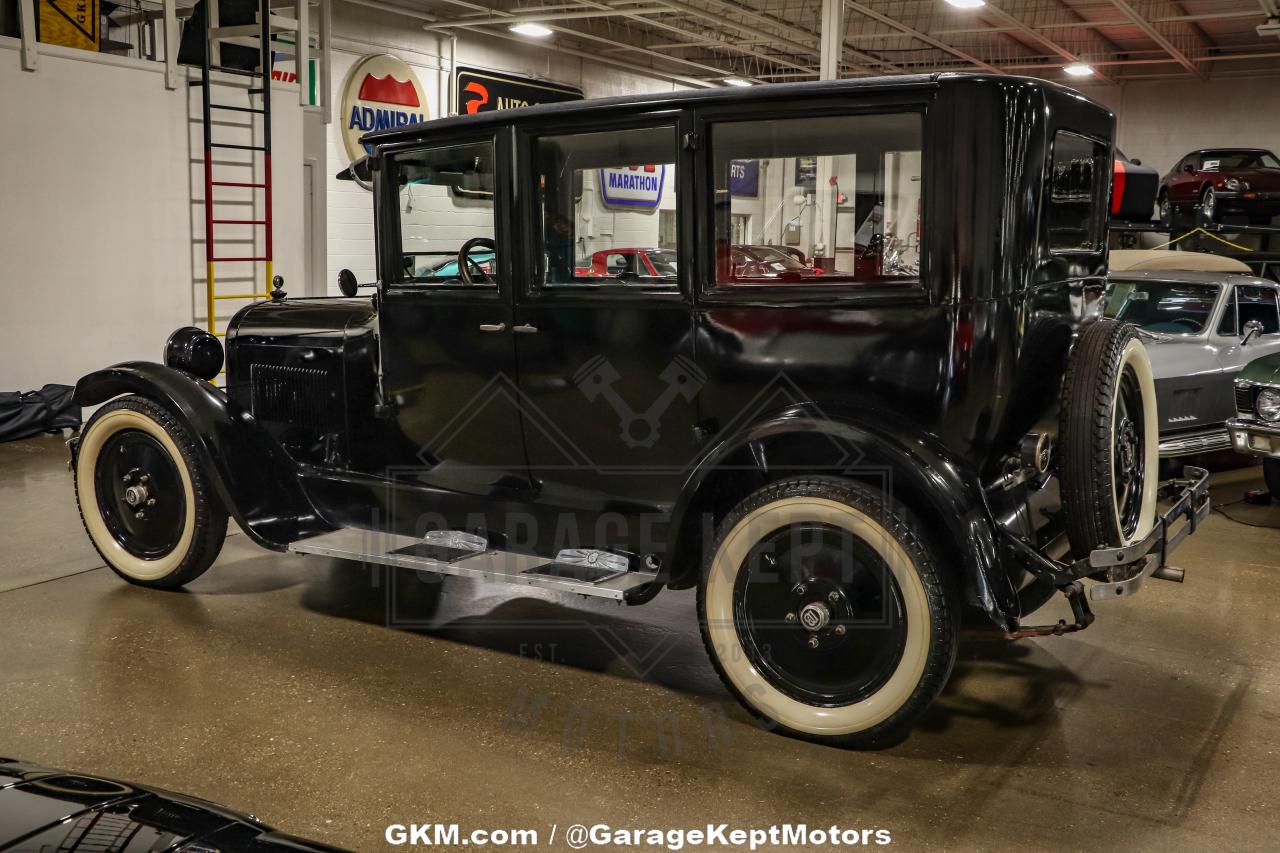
(194, 350)
(1231, 184)
(1268, 404)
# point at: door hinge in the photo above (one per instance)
(691, 141)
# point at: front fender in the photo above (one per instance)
(251, 474)
(879, 449)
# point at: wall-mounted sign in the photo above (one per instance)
(70, 23)
(381, 92)
(744, 178)
(632, 186)
(479, 91)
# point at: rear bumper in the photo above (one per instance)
(1190, 505)
(1256, 437)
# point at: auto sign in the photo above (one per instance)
(381, 92)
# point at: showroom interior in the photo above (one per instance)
(155, 181)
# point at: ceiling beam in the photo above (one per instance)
(520, 16)
(868, 12)
(1025, 29)
(1158, 37)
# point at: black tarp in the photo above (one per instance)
(24, 414)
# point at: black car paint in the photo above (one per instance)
(929, 384)
(44, 809)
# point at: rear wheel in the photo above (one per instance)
(146, 503)
(826, 614)
(1166, 210)
(1109, 436)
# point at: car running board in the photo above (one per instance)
(576, 573)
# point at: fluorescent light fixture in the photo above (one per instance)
(736, 81)
(967, 4)
(1078, 69)
(531, 29)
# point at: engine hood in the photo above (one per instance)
(1174, 356)
(44, 809)
(1265, 370)
(319, 318)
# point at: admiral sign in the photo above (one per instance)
(632, 186)
(380, 92)
(479, 91)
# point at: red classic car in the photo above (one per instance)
(1224, 182)
(628, 263)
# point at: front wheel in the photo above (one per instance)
(1166, 210)
(1209, 204)
(826, 613)
(145, 500)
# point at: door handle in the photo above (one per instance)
(493, 327)
(525, 329)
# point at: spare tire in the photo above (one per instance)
(1108, 462)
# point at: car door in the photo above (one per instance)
(1182, 188)
(448, 362)
(1259, 301)
(606, 369)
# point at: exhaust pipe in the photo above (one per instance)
(1170, 573)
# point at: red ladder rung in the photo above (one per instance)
(238, 221)
(220, 260)
(235, 184)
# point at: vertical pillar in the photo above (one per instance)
(824, 200)
(170, 44)
(27, 23)
(302, 52)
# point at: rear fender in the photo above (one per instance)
(252, 475)
(887, 453)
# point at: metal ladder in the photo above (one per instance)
(257, 35)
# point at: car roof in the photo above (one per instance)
(1232, 150)
(1190, 277)
(677, 99)
(1122, 260)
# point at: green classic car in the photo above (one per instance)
(1256, 427)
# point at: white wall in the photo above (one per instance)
(98, 224)
(1159, 122)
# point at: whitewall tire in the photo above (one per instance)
(1110, 440)
(826, 614)
(145, 501)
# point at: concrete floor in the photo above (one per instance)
(276, 686)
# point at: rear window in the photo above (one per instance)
(1079, 181)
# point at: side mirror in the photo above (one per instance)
(347, 283)
(1252, 329)
(1189, 169)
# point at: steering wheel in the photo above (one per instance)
(465, 264)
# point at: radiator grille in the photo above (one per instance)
(1244, 401)
(299, 396)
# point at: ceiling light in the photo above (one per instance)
(736, 81)
(1079, 69)
(531, 29)
(967, 4)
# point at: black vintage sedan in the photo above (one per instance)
(841, 465)
(56, 810)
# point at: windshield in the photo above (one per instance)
(1240, 160)
(1158, 306)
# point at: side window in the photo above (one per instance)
(818, 200)
(607, 202)
(446, 203)
(1258, 303)
(1079, 181)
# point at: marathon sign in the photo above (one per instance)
(632, 186)
(381, 92)
(477, 90)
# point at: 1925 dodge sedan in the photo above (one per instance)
(842, 466)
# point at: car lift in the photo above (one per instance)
(1218, 238)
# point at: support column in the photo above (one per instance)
(824, 199)
(27, 23)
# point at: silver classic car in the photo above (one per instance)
(1201, 329)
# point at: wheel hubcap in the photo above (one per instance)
(819, 614)
(140, 494)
